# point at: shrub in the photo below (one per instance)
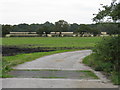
(108, 51)
(105, 57)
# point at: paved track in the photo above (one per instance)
(61, 61)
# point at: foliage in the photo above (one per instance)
(106, 58)
(108, 49)
(40, 31)
(110, 28)
(61, 26)
(73, 27)
(87, 29)
(112, 12)
(6, 29)
(96, 63)
(83, 29)
(95, 32)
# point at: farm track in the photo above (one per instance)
(62, 61)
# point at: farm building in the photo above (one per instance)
(103, 33)
(52, 34)
(22, 34)
(63, 34)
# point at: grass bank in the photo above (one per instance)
(105, 67)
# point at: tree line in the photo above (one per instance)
(62, 26)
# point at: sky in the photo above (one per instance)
(40, 11)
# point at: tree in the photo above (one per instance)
(40, 31)
(24, 27)
(95, 31)
(83, 29)
(6, 29)
(73, 27)
(46, 30)
(61, 26)
(112, 12)
(48, 27)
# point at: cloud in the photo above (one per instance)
(39, 11)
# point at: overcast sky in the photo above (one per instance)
(40, 11)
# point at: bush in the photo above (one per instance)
(108, 51)
(115, 77)
(105, 57)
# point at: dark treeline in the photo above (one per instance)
(62, 26)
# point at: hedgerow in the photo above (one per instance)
(106, 58)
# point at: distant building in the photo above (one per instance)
(22, 34)
(63, 34)
(103, 33)
(52, 34)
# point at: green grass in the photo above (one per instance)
(52, 41)
(88, 73)
(98, 65)
(91, 74)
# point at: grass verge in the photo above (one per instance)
(105, 67)
(90, 74)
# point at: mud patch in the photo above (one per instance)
(13, 50)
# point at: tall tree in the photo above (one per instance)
(73, 27)
(48, 27)
(61, 26)
(40, 31)
(6, 29)
(83, 29)
(112, 12)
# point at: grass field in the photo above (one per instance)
(52, 41)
